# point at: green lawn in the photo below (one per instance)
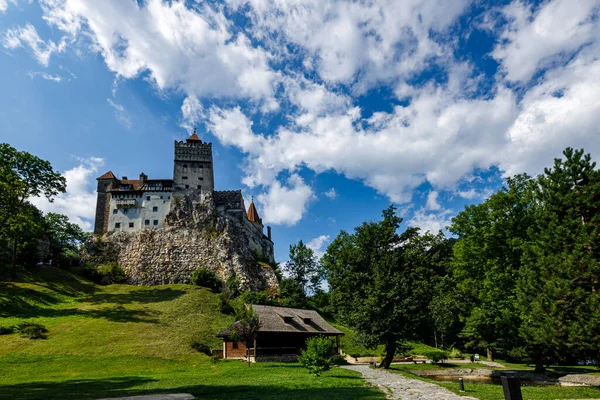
(121, 340)
(430, 366)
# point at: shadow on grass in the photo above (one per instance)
(130, 386)
(145, 296)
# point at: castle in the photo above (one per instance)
(126, 205)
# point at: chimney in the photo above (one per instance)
(143, 178)
(269, 232)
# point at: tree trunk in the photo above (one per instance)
(539, 366)
(435, 338)
(490, 354)
(13, 270)
(390, 350)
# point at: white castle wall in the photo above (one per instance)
(142, 212)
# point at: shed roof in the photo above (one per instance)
(290, 320)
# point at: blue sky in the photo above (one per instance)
(325, 111)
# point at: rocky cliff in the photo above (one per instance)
(195, 236)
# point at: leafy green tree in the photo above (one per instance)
(303, 267)
(23, 176)
(291, 293)
(558, 291)
(245, 329)
(317, 357)
(486, 264)
(64, 236)
(381, 281)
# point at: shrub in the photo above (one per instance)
(105, 274)
(436, 355)
(6, 330)
(456, 353)
(199, 344)
(317, 356)
(31, 330)
(257, 298)
(206, 278)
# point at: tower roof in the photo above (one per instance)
(252, 213)
(108, 175)
(193, 138)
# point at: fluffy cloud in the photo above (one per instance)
(431, 221)
(285, 204)
(4, 4)
(79, 202)
(432, 203)
(549, 35)
(192, 50)
(28, 36)
(318, 245)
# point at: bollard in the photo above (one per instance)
(461, 384)
(511, 385)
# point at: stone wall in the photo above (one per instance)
(194, 236)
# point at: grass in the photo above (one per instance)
(121, 340)
(430, 366)
(492, 391)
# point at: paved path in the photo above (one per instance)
(396, 386)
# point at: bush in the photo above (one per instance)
(317, 356)
(199, 344)
(106, 274)
(31, 330)
(258, 298)
(456, 353)
(6, 330)
(206, 278)
(436, 355)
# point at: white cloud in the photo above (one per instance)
(432, 203)
(534, 40)
(193, 112)
(318, 245)
(192, 50)
(121, 113)
(27, 35)
(431, 221)
(331, 193)
(285, 204)
(48, 77)
(79, 202)
(4, 4)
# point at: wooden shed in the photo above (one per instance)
(282, 334)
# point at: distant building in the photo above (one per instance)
(282, 334)
(129, 205)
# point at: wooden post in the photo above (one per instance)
(254, 348)
(337, 343)
(224, 349)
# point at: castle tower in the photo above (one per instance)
(105, 183)
(193, 165)
(253, 216)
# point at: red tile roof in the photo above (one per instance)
(108, 175)
(193, 138)
(253, 214)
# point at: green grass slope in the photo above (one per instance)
(121, 340)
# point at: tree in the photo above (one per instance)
(303, 267)
(23, 175)
(64, 236)
(381, 281)
(245, 329)
(486, 263)
(317, 355)
(558, 287)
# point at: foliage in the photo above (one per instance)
(245, 328)
(233, 286)
(262, 297)
(381, 282)
(486, 263)
(64, 238)
(199, 343)
(292, 294)
(303, 268)
(31, 330)
(107, 274)
(317, 357)
(436, 355)
(6, 330)
(559, 291)
(206, 278)
(455, 353)
(23, 176)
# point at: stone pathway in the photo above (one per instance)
(396, 386)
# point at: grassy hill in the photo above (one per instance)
(121, 340)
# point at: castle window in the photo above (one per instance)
(125, 211)
(131, 224)
(187, 186)
(115, 211)
(200, 178)
(154, 209)
(184, 167)
(168, 197)
(155, 222)
(161, 197)
(199, 187)
(184, 177)
(117, 225)
(147, 197)
(147, 222)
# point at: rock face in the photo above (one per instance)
(195, 236)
